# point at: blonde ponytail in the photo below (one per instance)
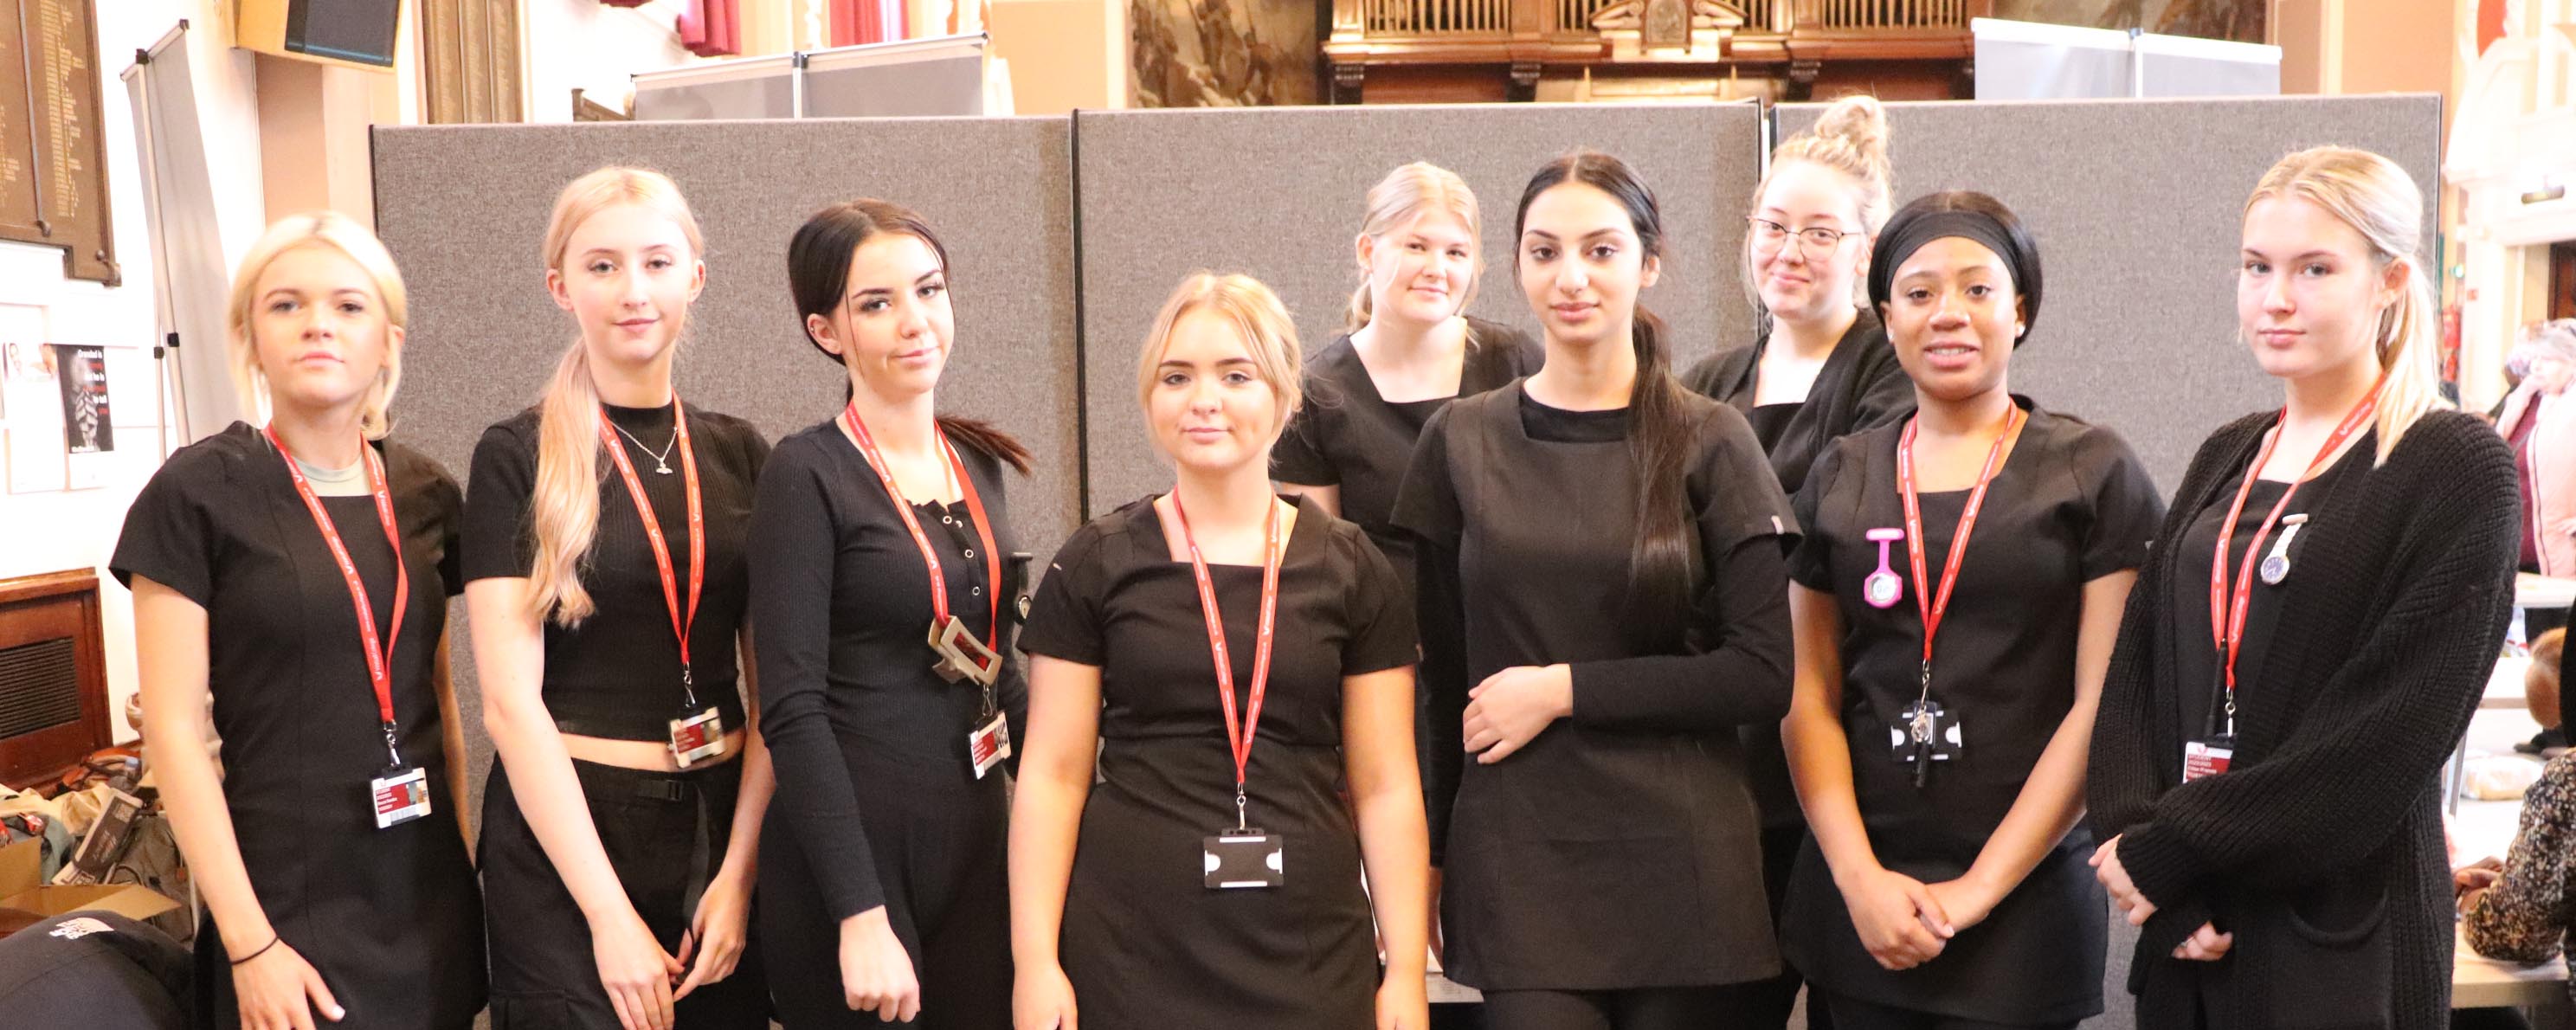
(563, 506)
(2376, 197)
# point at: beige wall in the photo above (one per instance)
(2364, 46)
(1063, 54)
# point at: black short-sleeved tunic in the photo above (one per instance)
(390, 918)
(617, 675)
(878, 802)
(1619, 848)
(1146, 943)
(2070, 504)
(1349, 436)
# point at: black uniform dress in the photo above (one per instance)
(617, 676)
(1146, 943)
(1349, 436)
(390, 918)
(1619, 849)
(1861, 386)
(878, 802)
(2210, 985)
(2068, 505)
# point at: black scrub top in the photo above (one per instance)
(1619, 848)
(617, 675)
(1347, 435)
(1145, 942)
(2071, 503)
(391, 918)
(2196, 658)
(1860, 387)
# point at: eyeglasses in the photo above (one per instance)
(1817, 241)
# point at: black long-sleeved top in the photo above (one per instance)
(2321, 848)
(1619, 848)
(859, 727)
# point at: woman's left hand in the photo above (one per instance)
(1966, 900)
(2115, 880)
(1511, 707)
(716, 933)
(1402, 1003)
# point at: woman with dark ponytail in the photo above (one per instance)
(1604, 865)
(886, 896)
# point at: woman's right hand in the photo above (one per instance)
(636, 972)
(1899, 921)
(876, 973)
(1042, 999)
(278, 990)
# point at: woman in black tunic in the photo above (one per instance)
(1605, 872)
(1820, 368)
(884, 894)
(2308, 642)
(1944, 887)
(1232, 657)
(604, 553)
(334, 873)
(1408, 351)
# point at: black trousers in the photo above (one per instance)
(1648, 1008)
(1854, 1014)
(665, 834)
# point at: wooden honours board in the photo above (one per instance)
(53, 163)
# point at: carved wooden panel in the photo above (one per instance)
(53, 161)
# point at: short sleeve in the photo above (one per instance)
(2126, 508)
(1427, 504)
(169, 535)
(1299, 456)
(1734, 489)
(448, 500)
(1065, 616)
(1381, 613)
(1811, 564)
(498, 539)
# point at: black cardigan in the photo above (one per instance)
(1861, 387)
(2321, 850)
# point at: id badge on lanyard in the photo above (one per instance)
(989, 744)
(2207, 757)
(1241, 856)
(698, 733)
(696, 738)
(399, 796)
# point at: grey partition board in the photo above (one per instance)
(1278, 193)
(765, 96)
(464, 211)
(2137, 207)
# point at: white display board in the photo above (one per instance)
(2020, 60)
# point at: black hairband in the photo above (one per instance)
(1906, 235)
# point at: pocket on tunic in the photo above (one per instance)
(2334, 942)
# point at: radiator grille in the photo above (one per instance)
(39, 687)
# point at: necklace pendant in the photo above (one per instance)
(662, 469)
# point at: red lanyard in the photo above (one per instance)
(379, 657)
(2227, 608)
(680, 626)
(1238, 741)
(930, 558)
(1935, 607)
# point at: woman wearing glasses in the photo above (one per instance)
(1818, 369)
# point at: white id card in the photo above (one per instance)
(697, 738)
(989, 745)
(399, 796)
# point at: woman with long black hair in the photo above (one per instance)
(1617, 549)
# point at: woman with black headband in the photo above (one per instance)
(885, 597)
(1955, 600)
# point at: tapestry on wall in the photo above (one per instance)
(1221, 53)
(2239, 20)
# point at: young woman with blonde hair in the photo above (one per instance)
(1407, 351)
(1211, 877)
(297, 573)
(605, 551)
(2307, 641)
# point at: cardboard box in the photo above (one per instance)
(22, 890)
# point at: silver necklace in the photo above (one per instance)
(661, 462)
